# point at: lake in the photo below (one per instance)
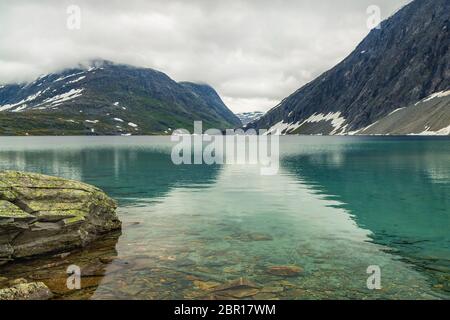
(337, 206)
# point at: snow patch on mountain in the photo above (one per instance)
(69, 76)
(27, 99)
(395, 111)
(247, 117)
(440, 94)
(76, 80)
(72, 94)
(337, 121)
(20, 108)
(282, 128)
(427, 132)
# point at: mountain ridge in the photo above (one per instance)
(393, 67)
(109, 98)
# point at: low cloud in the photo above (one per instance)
(254, 53)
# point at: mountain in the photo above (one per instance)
(210, 96)
(247, 117)
(430, 116)
(395, 67)
(110, 99)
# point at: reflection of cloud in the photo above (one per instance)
(53, 163)
(435, 164)
(328, 151)
(395, 187)
(439, 174)
(128, 168)
(330, 158)
(305, 226)
(279, 198)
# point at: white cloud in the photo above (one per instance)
(254, 53)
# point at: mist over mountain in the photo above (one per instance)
(108, 98)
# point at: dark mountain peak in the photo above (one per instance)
(393, 67)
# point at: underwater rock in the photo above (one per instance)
(265, 296)
(205, 285)
(96, 269)
(26, 291)
(17, 281)
(260, 237)
(41, 214)
(274, 289)
(285, 271)
(237, 289)
(251, 236)
(241, 293)
(107, 259)
(238, 283)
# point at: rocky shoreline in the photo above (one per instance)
(21, 289)
(41, 215)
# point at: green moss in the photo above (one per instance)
(74, 220)
(7, 194)
(16, 179)
(56, 206)
(59, 215)
(9, 210)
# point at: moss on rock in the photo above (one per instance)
(41, 214)
(10, 210)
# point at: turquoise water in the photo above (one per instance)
(337, 206)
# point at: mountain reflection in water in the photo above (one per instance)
(338, 205)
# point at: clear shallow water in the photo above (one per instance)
(337, 205)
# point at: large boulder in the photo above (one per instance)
(41, 214)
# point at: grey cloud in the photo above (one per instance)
(253, 52)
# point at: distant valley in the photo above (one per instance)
(247, 117)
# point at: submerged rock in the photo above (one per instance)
(205, 285)
(41, 214)
(26, 291)
(285, 271)
(236, 289)
(17, 281)
(251, 236)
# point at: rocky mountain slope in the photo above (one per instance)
(431, 116)
(108, 98)
(394, 67)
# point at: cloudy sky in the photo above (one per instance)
(253, 52)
